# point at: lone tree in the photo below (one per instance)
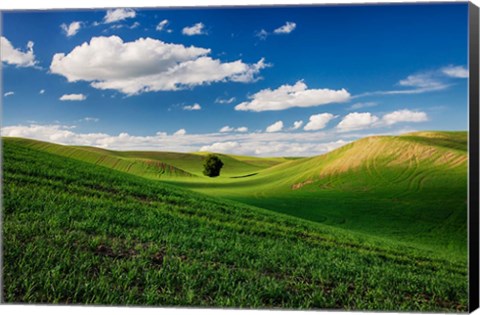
(212, 165)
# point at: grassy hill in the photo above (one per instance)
(153, 165)
(75, 232)
(410, 188)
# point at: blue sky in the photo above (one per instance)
(257, 81)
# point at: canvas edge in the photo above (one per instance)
(473, 151)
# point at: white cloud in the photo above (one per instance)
(147, 65)
(116, 15)
(197, 29)
(15, 56)
(225, 101)
(404, 115)
(53, 133)
(357, 121)
(195, 106)
(73, 97)
(275, 127)
(161, 25)
(273, 148)
(71, 29)
(180, 132)
(253, 143)
(228, 146)
(319, 121)
(42, 91)
(422, 82)
(455, 71)
(226, 129)
(241, 129)
(9, 93)
(286, 29)
(297, 124)
(288, 96)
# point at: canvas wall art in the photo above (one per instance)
(314, 157)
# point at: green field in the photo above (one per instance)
(378, 224)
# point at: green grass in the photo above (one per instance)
(376, 186)
(410, 188)
(154, 165)
(75, 232)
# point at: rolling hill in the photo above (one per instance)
(76, 232)
(153, 165)
(410, 188)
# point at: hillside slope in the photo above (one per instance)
(154, 164)
(411, 187)
(79, 233)
(148, 168)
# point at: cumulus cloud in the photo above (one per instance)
(161, 25)
(297, 125)
(226, 129)
(195, 106)
(275, 127)
(285, 29)
(180, 132)
(15, 56)
(197, 29)
(10, 93)
(288, 96)
(116, 15)
(404, 115)
(224, 101)
(241, 129)
(71, 29)
(73, 97)
(455, 71)
(319, 121)
(357, 121)
(147, 65)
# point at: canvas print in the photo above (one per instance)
(300, 157)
